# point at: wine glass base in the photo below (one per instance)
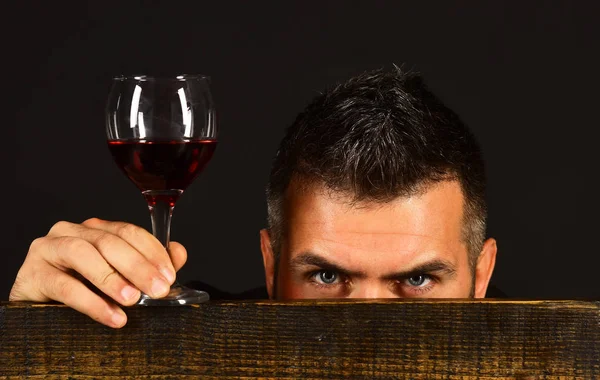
(179, 295)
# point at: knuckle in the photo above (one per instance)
(107, 276)
(35, 245)
(60, 226)
(68, 248)
(66, 244)
(105, 239)
(128, 231)
(61, 289)
(143, 265)
(91, 221)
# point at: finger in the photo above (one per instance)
(81, 256)
(178, 254)
(125, 259)
(59, 228)
(23, 289)
(140, 239)
(59, 286)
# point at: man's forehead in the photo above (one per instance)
(438, 206)
(401, 232)
(374, 237)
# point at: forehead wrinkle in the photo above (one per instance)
(414, 242)
(343, 251)
(407, 234)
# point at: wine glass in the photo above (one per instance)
(162, 133)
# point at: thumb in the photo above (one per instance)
(178, 254)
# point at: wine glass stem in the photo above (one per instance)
(161, 213)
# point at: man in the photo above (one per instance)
(377, 191)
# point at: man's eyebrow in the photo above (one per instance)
(437, 265)
(309, 258)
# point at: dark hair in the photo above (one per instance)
(379, 136)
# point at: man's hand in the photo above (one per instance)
(118, 258)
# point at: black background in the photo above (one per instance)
(522, 74)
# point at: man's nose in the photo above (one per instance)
(372, 291)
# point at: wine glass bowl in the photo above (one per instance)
(162, 133)
(162, 170)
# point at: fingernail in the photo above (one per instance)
(159, 287)
(168, 274)
(118, 318)
(128, 292)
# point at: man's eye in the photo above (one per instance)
(419, 280)
(326, 277)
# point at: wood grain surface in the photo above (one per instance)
(411, 339)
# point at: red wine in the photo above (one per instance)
(162, 170)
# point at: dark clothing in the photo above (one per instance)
(261, 293)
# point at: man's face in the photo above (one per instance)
(410, 247)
